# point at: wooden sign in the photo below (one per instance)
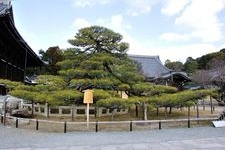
(88, 97)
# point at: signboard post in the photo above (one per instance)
(88, 99)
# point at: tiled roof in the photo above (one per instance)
(152, 67)
(4, 6)
(9, 35)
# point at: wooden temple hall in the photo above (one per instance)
(15, 53)
(155, 71)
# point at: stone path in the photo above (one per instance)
(199, 138)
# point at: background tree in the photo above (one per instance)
(217, 72)
(205, 60)
(214, 76)
(51, 57)
(176, 65)
(191, 65)
(202, 77)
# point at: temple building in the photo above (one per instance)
(155, 71)
(15, 54)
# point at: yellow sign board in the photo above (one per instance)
(88, 96)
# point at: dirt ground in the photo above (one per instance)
(131, 121)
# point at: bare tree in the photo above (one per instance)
(218, 67)
(202, 77)
(214, 76)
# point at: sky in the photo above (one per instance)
(170, 29)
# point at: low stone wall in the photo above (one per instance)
(44, 110)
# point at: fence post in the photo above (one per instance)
(37, 124)
(17, 122)
(96, 126)
(2, 119)
(47, 109)
(95, 111)
(189, 123)
(131, 126)
(65, 124)
(160, 125)
(211, 105)
(72, 112)
(32, 108)
(197, 107)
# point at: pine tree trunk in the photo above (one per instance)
(189, 112)
(32, 109)
(113, 112)
(170, 110)
(157, 111)
(136, 110)
(166, 112)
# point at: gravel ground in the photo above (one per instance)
(182, 138)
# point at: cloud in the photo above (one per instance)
(203, 22)
(104, 2)
(195, 19)
(89, 3)
(81, 23)
(174, 53)
(182, 52)
(172, 37)
(115, 22)
(139, 7)
(82, 3)
(173, 7)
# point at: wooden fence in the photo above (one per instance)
(56, 126)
